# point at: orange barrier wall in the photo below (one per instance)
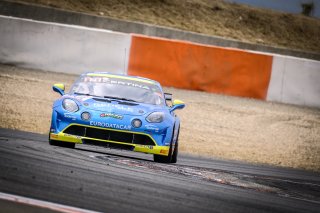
(198, 67)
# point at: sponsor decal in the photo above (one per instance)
(96, 79)
(114, 81)
(145, 146)
(110, 125)
(152, 127)
(67, 115)
(111, 115)
(52, 130)
(74, 136)
(109, 105)
(100, 104)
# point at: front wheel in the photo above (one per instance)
(175, 154)
(163, 159)
(172, 156)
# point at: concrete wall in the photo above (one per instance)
(228, 71)
(66, 17)
(74, 49)
(295, 81)
(62, 48)
(207, 68)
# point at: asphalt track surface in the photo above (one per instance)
(105, 180)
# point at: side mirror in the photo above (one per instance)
(59, 88)
(177, 104)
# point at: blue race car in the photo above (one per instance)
(117, 111)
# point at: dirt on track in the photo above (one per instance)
(212, 17)
(213, 125)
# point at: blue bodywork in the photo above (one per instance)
(114, 114)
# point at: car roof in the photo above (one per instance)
(120, 76)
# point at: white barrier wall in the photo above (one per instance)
(62, 48)
(295, 81)
(75, 49)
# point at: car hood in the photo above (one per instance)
(116, 106)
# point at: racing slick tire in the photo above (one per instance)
(172, 156)
(163, 159)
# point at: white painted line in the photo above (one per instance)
(43, 204)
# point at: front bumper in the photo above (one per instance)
(83, 138)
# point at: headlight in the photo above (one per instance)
(155, 117)
(70, 105)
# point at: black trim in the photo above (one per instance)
(108, 145)
(108, 134)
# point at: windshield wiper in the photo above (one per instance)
(118, 98)
(108, 97)
(87, 94)
(79, 93)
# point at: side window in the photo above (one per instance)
(168, 98)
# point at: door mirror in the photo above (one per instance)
(59, 88)
(177, 104)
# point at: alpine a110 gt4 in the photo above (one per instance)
(117, 111)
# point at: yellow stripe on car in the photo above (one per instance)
(122, 77)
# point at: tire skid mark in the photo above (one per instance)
(294, 189)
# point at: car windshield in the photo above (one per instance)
(121, 88)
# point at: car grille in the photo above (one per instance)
(110, 135)
(108, 145)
